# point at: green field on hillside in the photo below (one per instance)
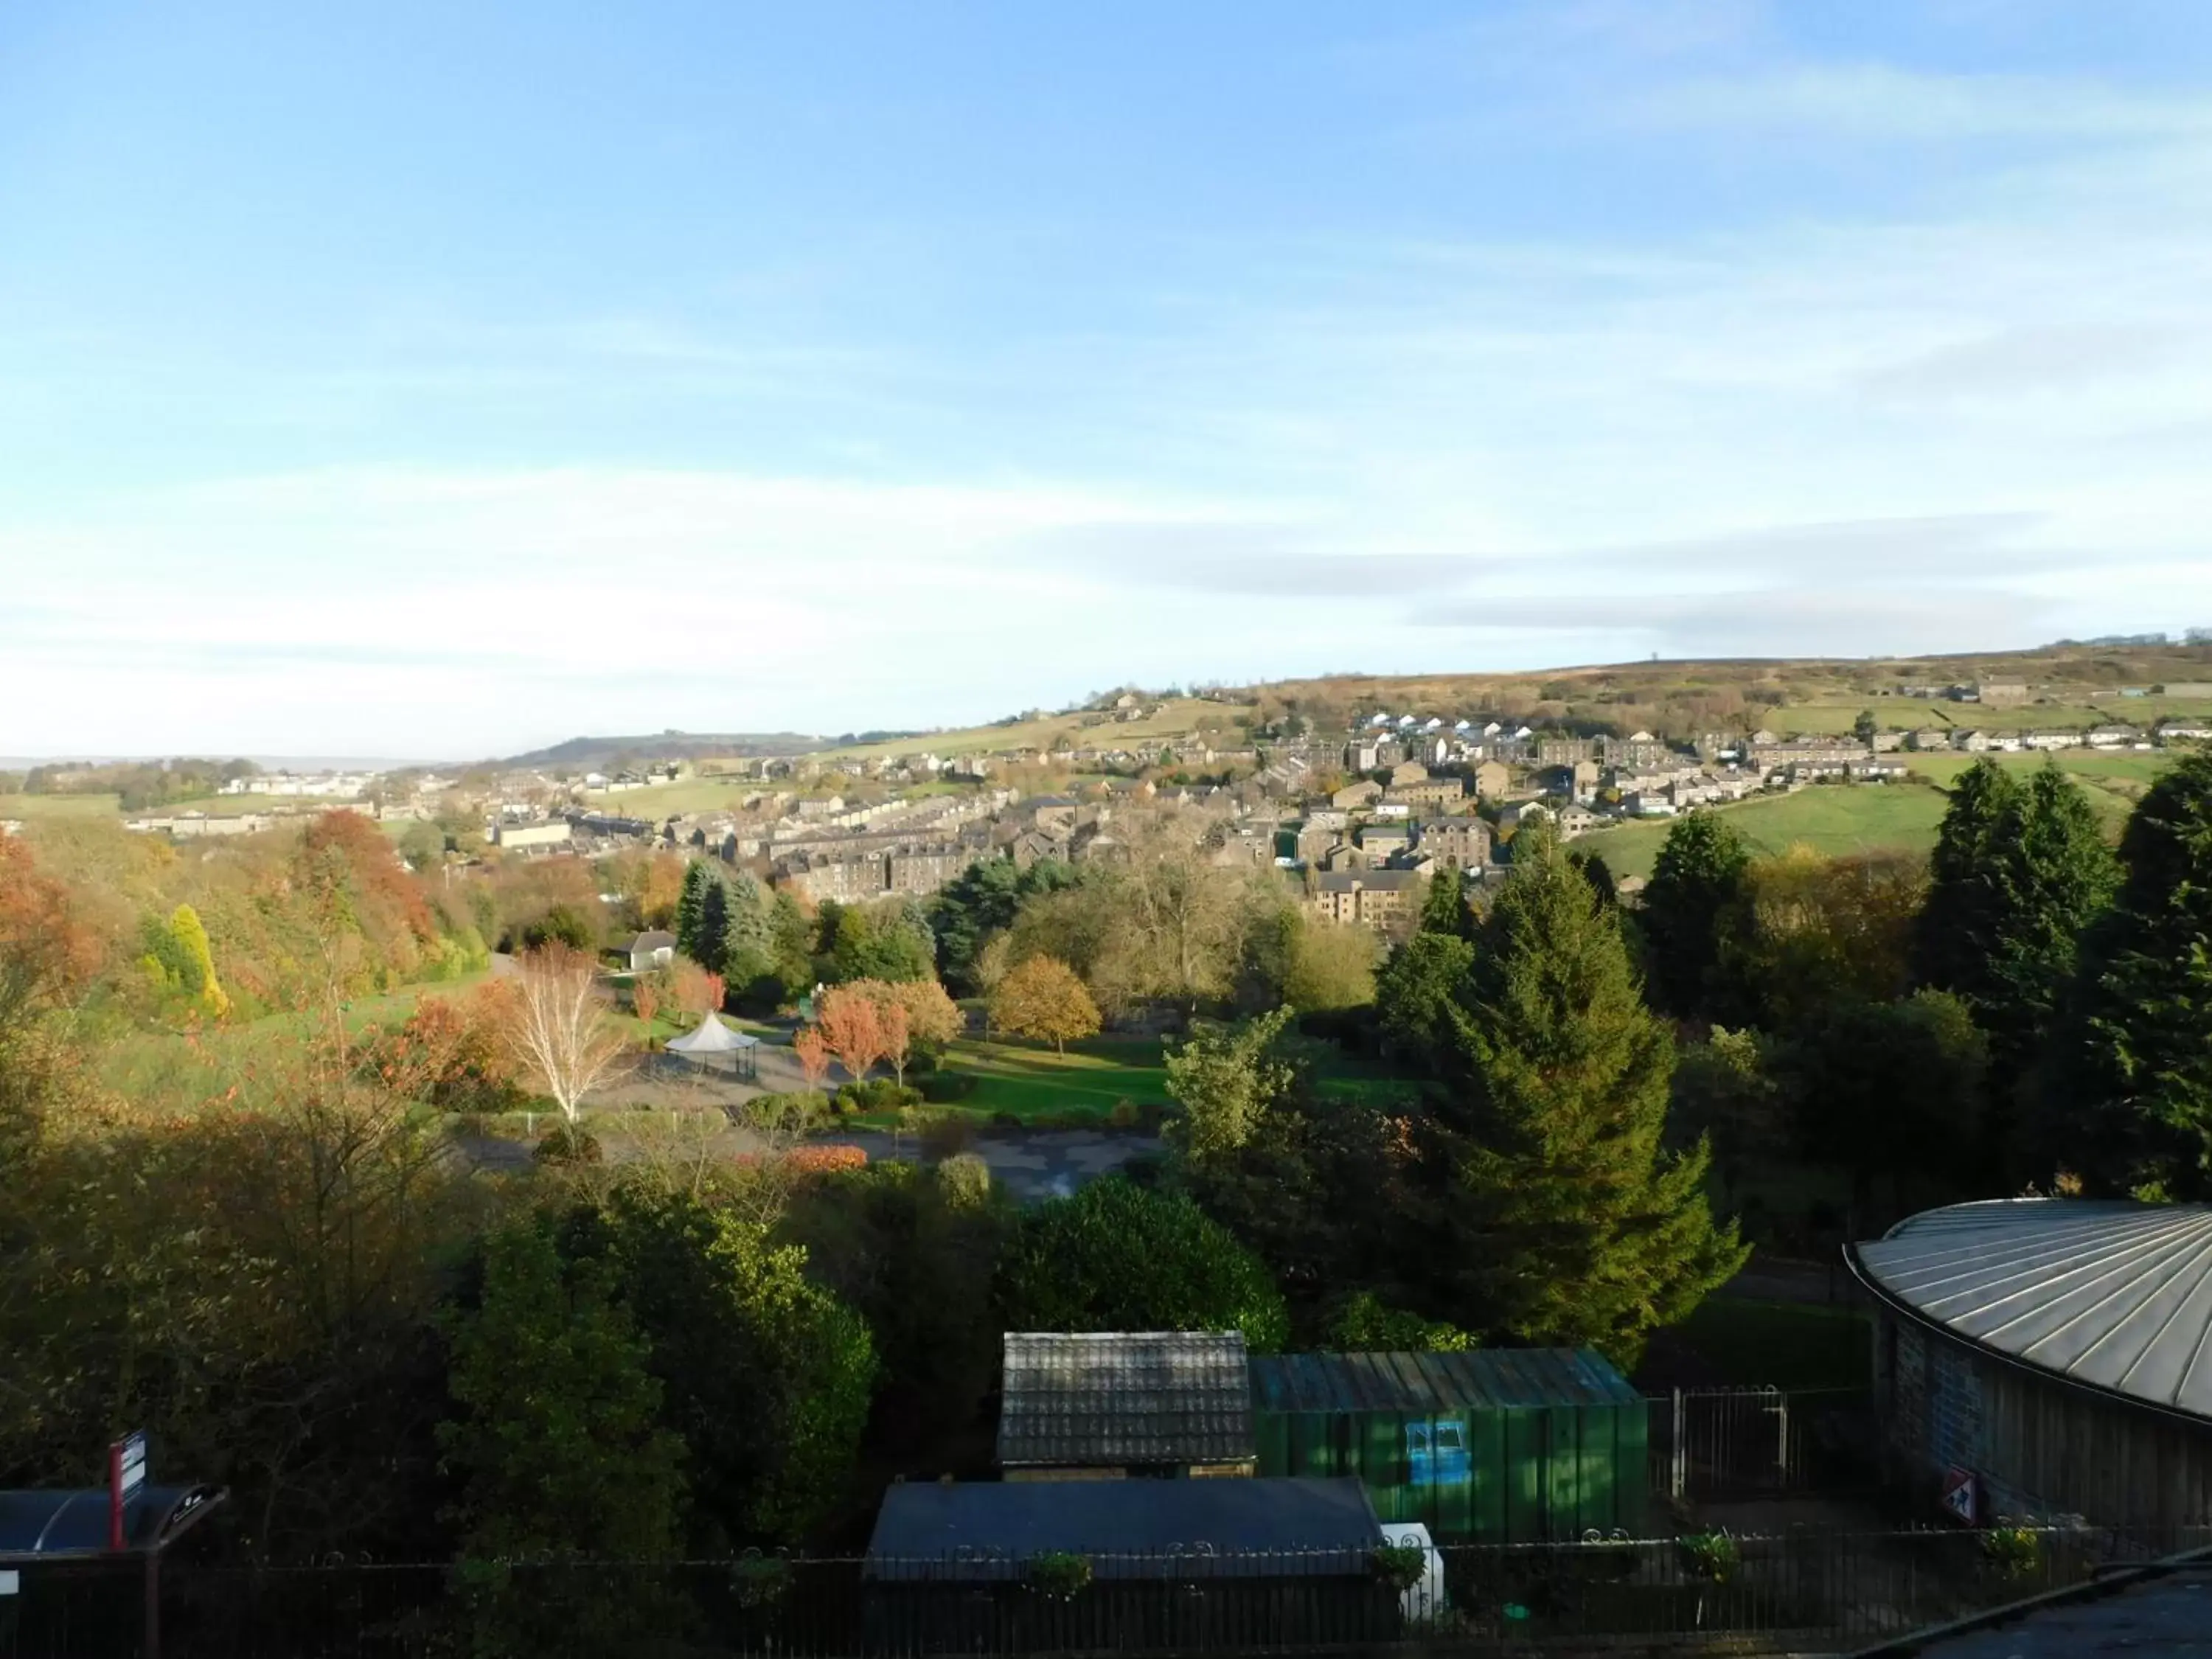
(59, 806)
(693, 794)
(1837, 818)
(1836, 719)
(2113, 782)
(1179, 717)
(238, 806)
(111, 805)
(1833, 819)
(150, 1061)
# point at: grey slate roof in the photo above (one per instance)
(984, 1529)
(1110, 1399)
(2110, 1293)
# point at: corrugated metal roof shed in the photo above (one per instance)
(985, 1528)
(2113, 1294)
(1486, 1378)
(1117, 1398)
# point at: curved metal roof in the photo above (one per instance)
(2112, 1294)
(65, 1521)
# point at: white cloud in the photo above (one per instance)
(1968, 416)
(1882, 103)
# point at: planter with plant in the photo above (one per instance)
(1058, 1575)
(2012, 1550)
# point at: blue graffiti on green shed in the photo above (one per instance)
(1507, 1444)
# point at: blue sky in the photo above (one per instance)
(441, 379)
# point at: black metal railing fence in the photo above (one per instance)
(1801, 1590)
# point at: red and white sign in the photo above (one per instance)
(126, 1473)
(1962, 1495)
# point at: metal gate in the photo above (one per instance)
(1722, 1442)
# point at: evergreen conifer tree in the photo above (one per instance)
(1563, 1219)
(1444, 909)
(696, 877)
(2135, 1110)
(1699, 873)
(2021, 873)
(2061, 875)
(1959, 928)
(711, 949)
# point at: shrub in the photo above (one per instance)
(1401, 1566)
(823, 1160)
(797, 1105)
(1146, 1170)
(1119, 1257)
(567, 1144)
(943, 1087)
(2013, 1550)
(946, 1134)
(1005, 1121)
(1059, 1574)
(877, 1094)
(965, 1181)
(452, 1051)
(1124, 1116)
(1711, 1556)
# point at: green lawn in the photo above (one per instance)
(1783, 1345)
(1032, 1083)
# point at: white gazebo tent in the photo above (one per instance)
(710, 1039)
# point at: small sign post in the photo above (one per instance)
(126, 1473)
(1960, 1495)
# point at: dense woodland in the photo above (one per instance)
(267, 1254)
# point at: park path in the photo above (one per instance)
(1030, 1164)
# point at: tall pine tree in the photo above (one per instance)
(696, 875)
(1563, 1219)
(2134, 1107)
(711, 948)
(1960, 926)
(1445, 909)
(2020, 872)
(1699, 873)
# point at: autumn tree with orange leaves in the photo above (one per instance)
(45, 954)
(852, 1026)
(813, 1055)
(1044, 999)
(912, 1016)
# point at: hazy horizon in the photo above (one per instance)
(417, 382)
